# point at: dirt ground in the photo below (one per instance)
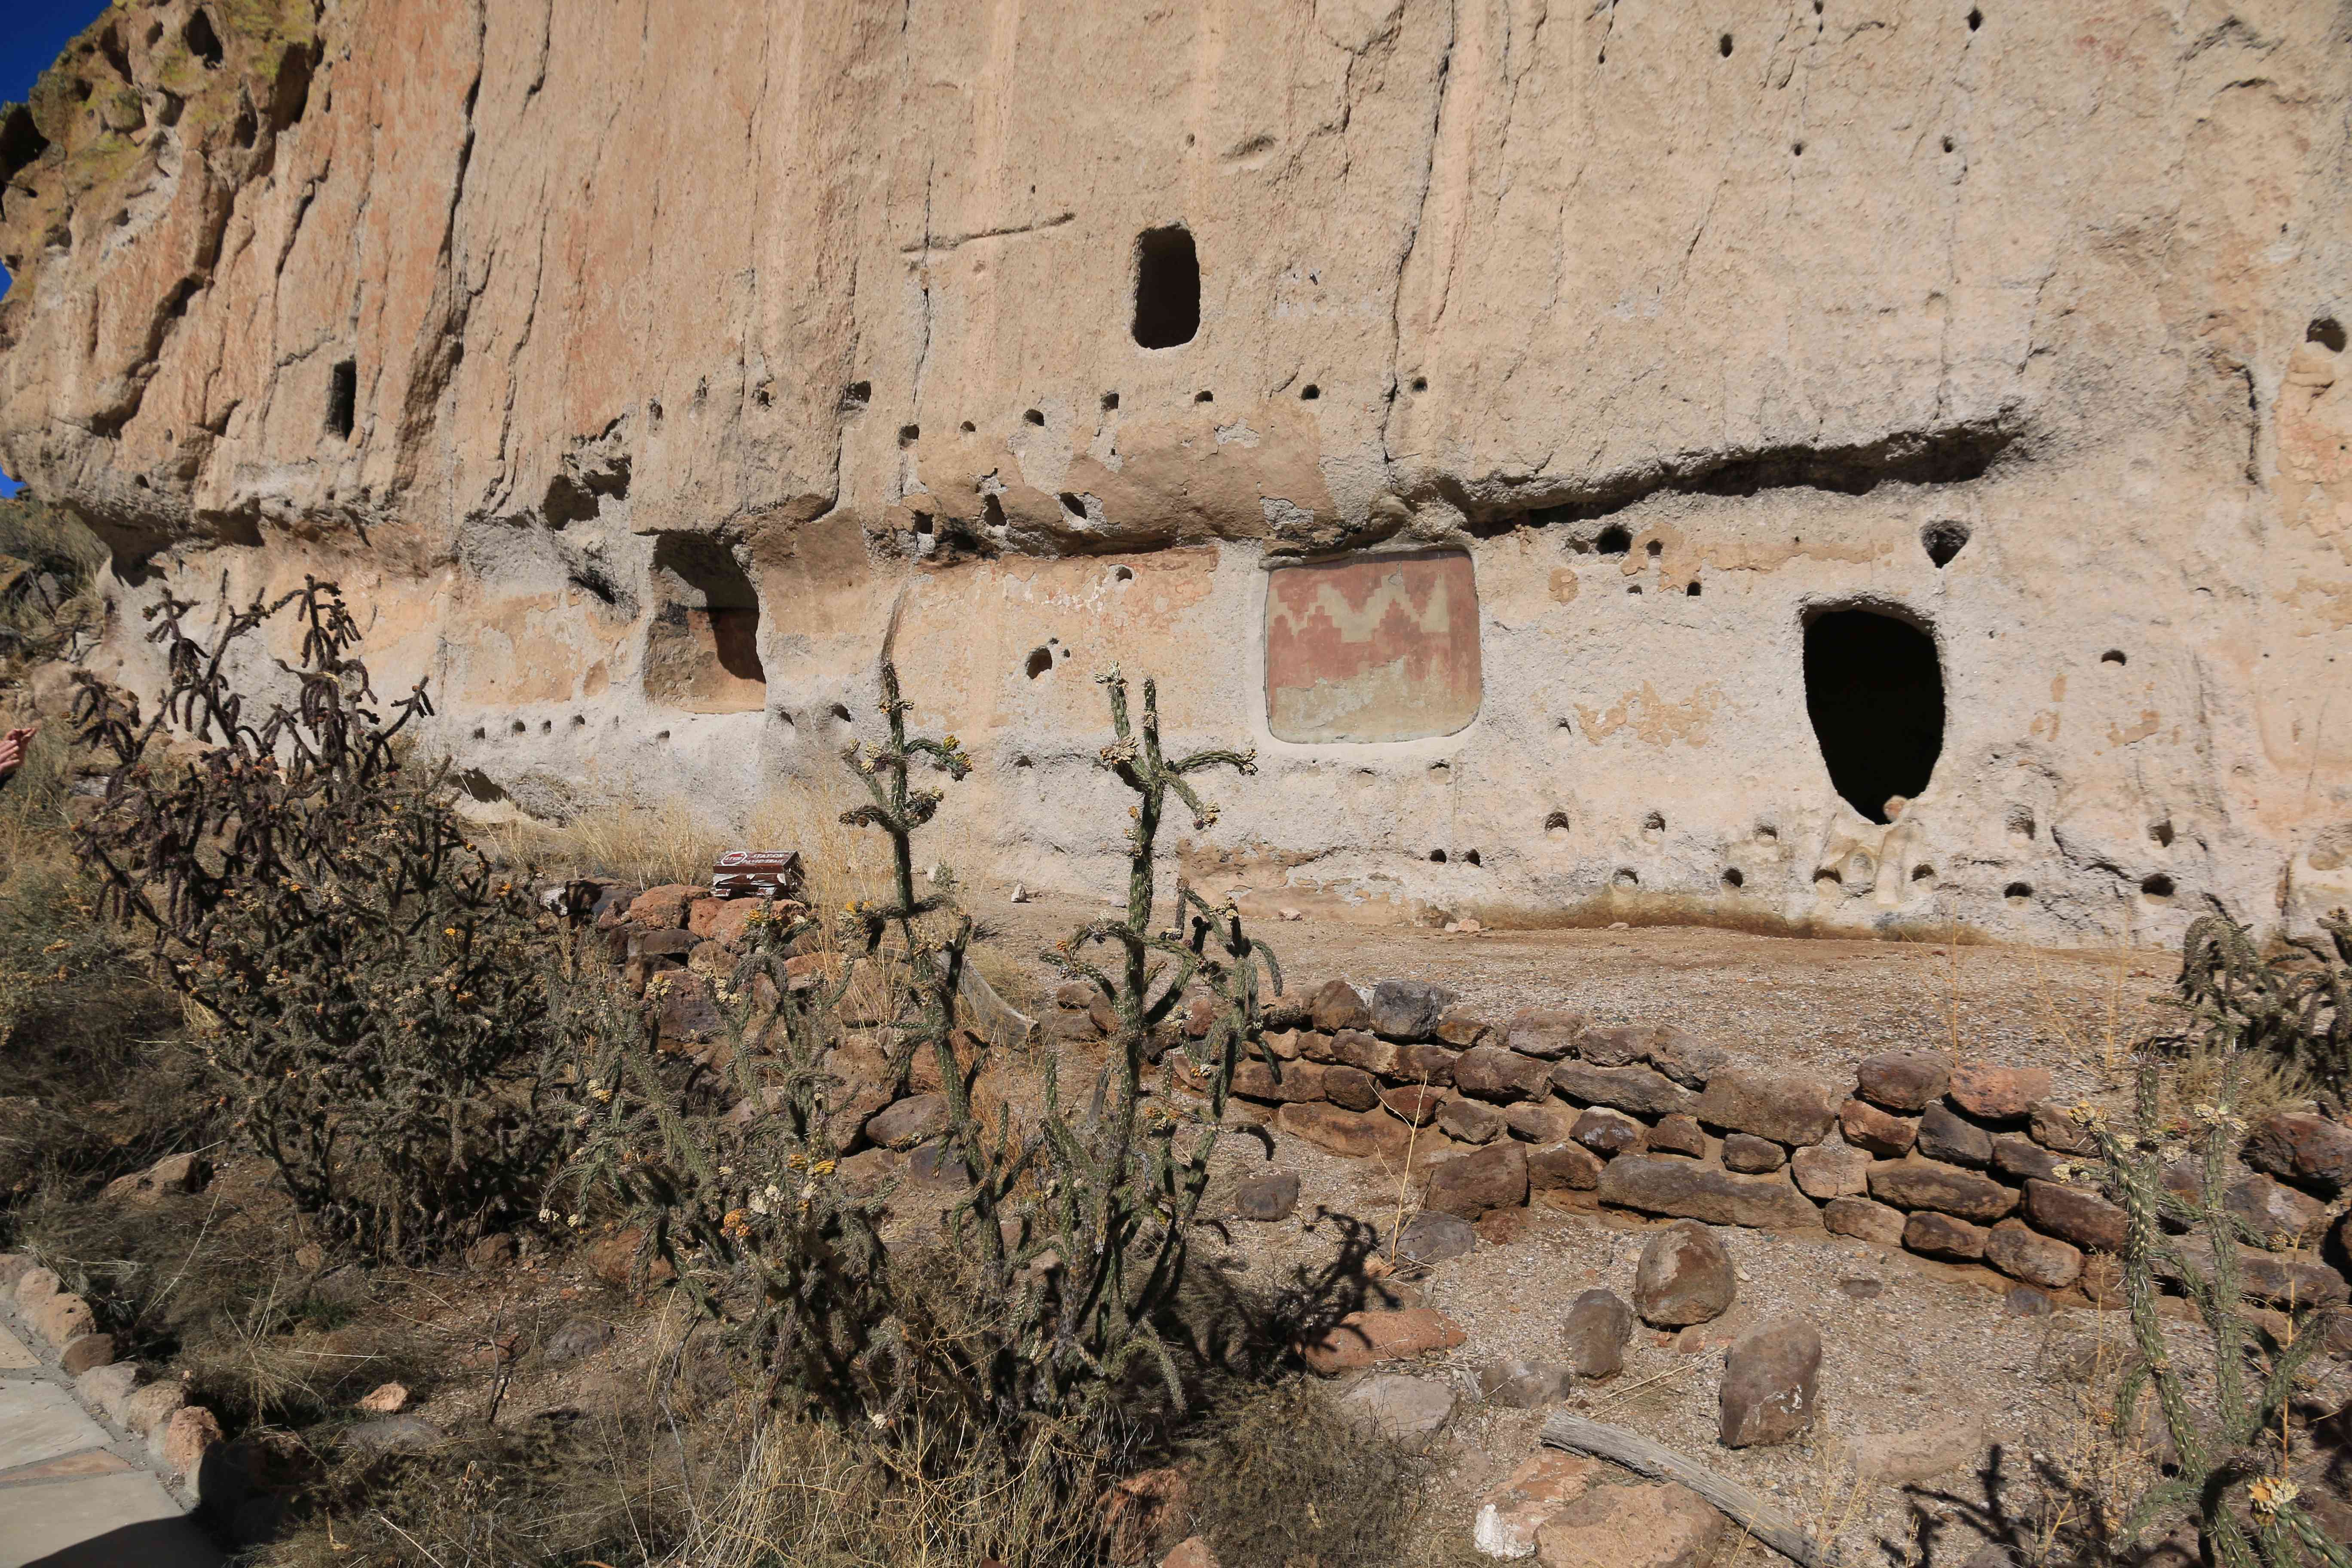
(1911, 1345)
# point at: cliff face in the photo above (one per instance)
(1611, 448)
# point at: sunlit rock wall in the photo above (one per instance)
(639, 366)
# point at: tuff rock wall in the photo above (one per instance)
(639, 366)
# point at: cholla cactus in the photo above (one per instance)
(2294, 1003)
(2244, 1449)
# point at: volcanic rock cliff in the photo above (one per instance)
(1598, 454)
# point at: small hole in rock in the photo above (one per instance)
(968, 427)
(1733, 880)
(2113, 656)
(1691, 592)
(1556, 827)
(840, 712)
(578, 722)
(518, 727)
(1470, 857)
(1122, 573)
(2156, 885)
(1039, 661)
(2020, 824)
(1654, 823)
(2018, 892)
(1022, 761)
(1421, 383)
(1166, 288)
(342, 396)
(910, 434)
(1923, 873)
(1437, 857)
(1309, 392)
(480, 734)
(1613, 541)
(1626, 877)
(1948, 143)
(202, 41)
(1033, 417)
(857, 395)
(547, 726)
(1942, 541)
(1204, 398)
(1797, 149)
(1633, 588)
(1654, 548)
(1723, 45)
(1976, 18)
(1767, 834)
(1072, 504)
(1110, 402)
(2325, 333)
(2160, 833)
(991, 511)
(661, 734)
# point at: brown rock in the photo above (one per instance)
(1432, 1065)
(1522, 1503)
(1685, 1277)
(192, 1432)
(909, 1120)
(1301, 1080)
(1540, 1122)
(1103, 1014)
(1337, 1007)
(2283, 1217)
(1470, 1121)
(727, 922)
(1996, 1093)
(1285, 1045)
(1945, 1135)
(1788, 1109)
(1917, 1184)
(62, 1319)
(1867, 1127)
(1770, 1384)
(1415, 1102)
(1941, 1236)
(1683, 1188)
(689, 1013)
(147, 1409)
(1564, 1166)
(2309, 1151)
(663, 908)
(1350, 1089)
(173, 1175)
(2051, 1124)
(2018, 1157)
(1831, 1170)
(34, 1288)
(1492, 1178)
(1409, 1009)
(1684, 1057)
(1609, 1133)
(1635, 1088)
(1492, 1072)
(1193, 1551)
(384, 1399)
(1073, 996)
(1904, 1082)
(1678, 1134)
(1362, 1339)
(1462, 1031)
(1358, 1134)
(1645, 1525)
(1752, 1155)
(2090, 1222)
(1599, 1327)
(1200, 1018)
(84, 1352)
(1547, 1036)
(1613, 1048)
(491, 1253)
(14, 1266)
(1863, 1220)
(2022, 1253)
(614, 1259)
(1356, 1048)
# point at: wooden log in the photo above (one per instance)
(1752, 1513)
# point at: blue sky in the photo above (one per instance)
(31, 34)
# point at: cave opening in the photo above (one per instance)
(1875, 691)
(342, 398)
(702, 650)
(1166, 288)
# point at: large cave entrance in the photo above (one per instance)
(702, 650)
(1875, 690)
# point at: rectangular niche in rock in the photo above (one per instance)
(702, 649)
(1380, 647)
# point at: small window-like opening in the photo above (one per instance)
(1626, 878)
(910, 434)
(1421, 383)
(2113, 656)
(1613, 541)
(840, 712)
(1437, 857)
(1074, 505)
(991, 511)
(480, 734)
(1691, 592)
(1040, 660)
(2160, 833)
(1723, 45)
(1949, 144)
(202, 41)
(1976, 18)
(1556, 827)
(1471, 857)
(2325, 333)
(1110, 403)
(1309, 392)
(1035, 416)
(1654, 548)
(1654, 823)
(968, 427)
(342, 397)
(857, 395)
(1923, 873)
(1166, 288)
(518, 727)
(2018, 892)
(1122, 574)
(1942, 541)
(1733, 880)
(1204, 398)
(1875, 691)
(2157, 885)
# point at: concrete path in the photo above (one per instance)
(75, 1492)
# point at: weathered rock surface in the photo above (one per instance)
(1564, 1166)
(1609, 1133)
(2085, 1219)
(1527, 1499)
(1919, 1184)
(1865, 1126)
(2022, 1253)
(1363, 1338)
(1360, 1135)
(1598, 1328)
(1945, 1135)
(1638, 1090)
(1339, 1006)
(2303, 1148)
(1752, 1155)
(1409, 1009)
(1830, 1170)
(1770, 1384)
(1525, 1385)
(1492, 1072)
(1998, 1093)
(1678, 1134)
(1941, 1236)
(1269, 1196)
(1409, 1409)
(1685, 1277)
(1864, 1220)
(1493, 1177)
(1642, 1525)
(1906, 1082)
(1788, 1109)
(1683, 1188)
(1430, 1238)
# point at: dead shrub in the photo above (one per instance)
(1280, 1477)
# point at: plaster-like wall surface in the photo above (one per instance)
(1679, 327)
